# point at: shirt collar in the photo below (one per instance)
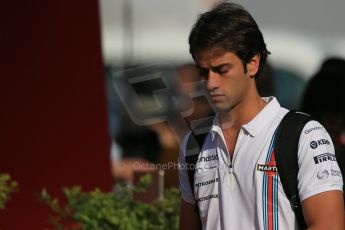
(266, 115)
(254, 126)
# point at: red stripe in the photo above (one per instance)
(270, 197)
(270, 202)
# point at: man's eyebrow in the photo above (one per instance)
(218, 67)
(214, 67)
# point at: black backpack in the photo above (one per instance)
(286, 155)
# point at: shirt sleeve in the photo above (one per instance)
(318, 169)
(184, 185)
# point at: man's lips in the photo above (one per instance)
(217, 97)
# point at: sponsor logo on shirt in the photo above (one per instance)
(324, 157)
(335, 173)
(321, 175)
(312, 129)
(269, 168)
(208, 158)
(208, 182)
(315, 144)
(205, 198)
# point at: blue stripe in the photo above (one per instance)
(275, 201)
(274, 204)
(264, 201)
(270, 150)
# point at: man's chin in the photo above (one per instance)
(221, 107)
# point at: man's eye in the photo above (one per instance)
(223, 71)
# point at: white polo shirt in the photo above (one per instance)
(246, 193)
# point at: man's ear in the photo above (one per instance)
(253, 65)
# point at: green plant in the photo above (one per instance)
(7, 187)
(103, 211)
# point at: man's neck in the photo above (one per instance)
(242, 113)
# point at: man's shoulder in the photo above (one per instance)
(314, 132)
(184, 141)
(310, 126)
(313, 126)
(195, 138)
(282, 112)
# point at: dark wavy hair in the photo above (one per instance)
(230, 27)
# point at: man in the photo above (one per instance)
(233, 186)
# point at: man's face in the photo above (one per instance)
(223, 72)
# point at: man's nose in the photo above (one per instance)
(212, 81)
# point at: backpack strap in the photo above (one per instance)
(194, 145)
(286, 155)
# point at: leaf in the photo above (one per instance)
(102, 211)
(7, 187)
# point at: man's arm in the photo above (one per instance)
(188, 218)
(320, 181)
(324, 211)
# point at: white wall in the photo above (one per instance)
(300, 34)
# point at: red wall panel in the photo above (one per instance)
(53, 116)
